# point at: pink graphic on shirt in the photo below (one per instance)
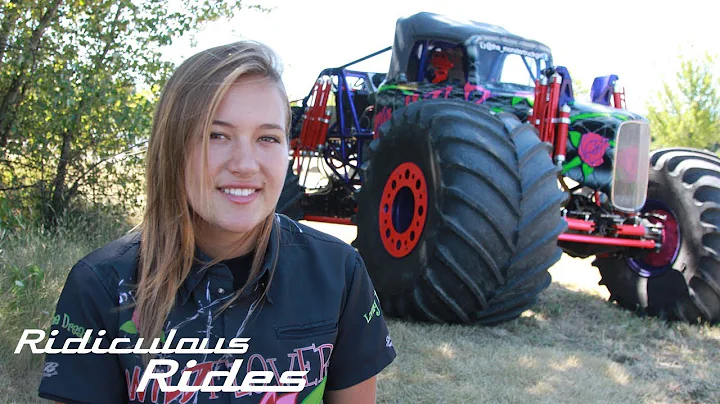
(315, 359)
(273, 398)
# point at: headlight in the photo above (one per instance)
(632, 166)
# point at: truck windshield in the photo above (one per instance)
(509, 68)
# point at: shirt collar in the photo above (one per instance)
(197, 273)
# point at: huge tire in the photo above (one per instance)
(459, 214)
(290, 202)
(682, 280)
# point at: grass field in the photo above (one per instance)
(572, 347)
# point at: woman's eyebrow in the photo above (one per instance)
(222, 123)
(263, 126)
(272, 126)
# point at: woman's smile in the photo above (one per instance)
(240, 195)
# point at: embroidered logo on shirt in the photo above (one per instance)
(50, 369)
(65, 322)
(374, 309)
(388, 341)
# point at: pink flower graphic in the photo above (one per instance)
(592, 149)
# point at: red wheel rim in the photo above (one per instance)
(656, 263)
(670, 241)
(403, 209)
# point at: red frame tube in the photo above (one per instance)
(621, 242)
(562, 133)
(588, 226)
(630, 230)
(328, 219)
(580, 225)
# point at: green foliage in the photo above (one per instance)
(580, 90)
(687, 112)
(34, 264)
(78, 85)
(25, 280)
(11, 218)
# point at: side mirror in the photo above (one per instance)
(567, 96)
(602, 89)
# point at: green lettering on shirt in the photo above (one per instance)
(374, 310)
(67, 324)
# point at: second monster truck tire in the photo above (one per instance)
(459, 214)
(682, 280)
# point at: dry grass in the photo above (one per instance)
(572, 346)
(40, 260)
(19, 388)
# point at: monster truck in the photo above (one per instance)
(469, 167)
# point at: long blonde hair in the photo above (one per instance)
(185, 110)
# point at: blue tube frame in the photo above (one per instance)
(342, 139)
(345, 139)
(423, 61)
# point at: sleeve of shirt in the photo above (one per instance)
(363, 347)
(83, 378)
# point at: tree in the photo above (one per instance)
(73, 122)
(580, 91)
(687, 111)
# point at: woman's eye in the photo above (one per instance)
(215, 135)
(273, 139)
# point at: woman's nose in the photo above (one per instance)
(243, 158)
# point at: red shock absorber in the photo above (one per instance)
(316, 116)
(308, 118)
(322, 117)
(563, 123)
(553, 97)
(315, 123)
(540, 104)
(618, 95)
(307, 126)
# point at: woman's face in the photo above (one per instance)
(247, 161)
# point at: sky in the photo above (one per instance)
(638, 40)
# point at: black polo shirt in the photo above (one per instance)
(321, 314)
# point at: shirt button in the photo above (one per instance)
(221, 291)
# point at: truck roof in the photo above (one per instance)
(424, 26)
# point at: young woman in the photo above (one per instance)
(213, 261)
